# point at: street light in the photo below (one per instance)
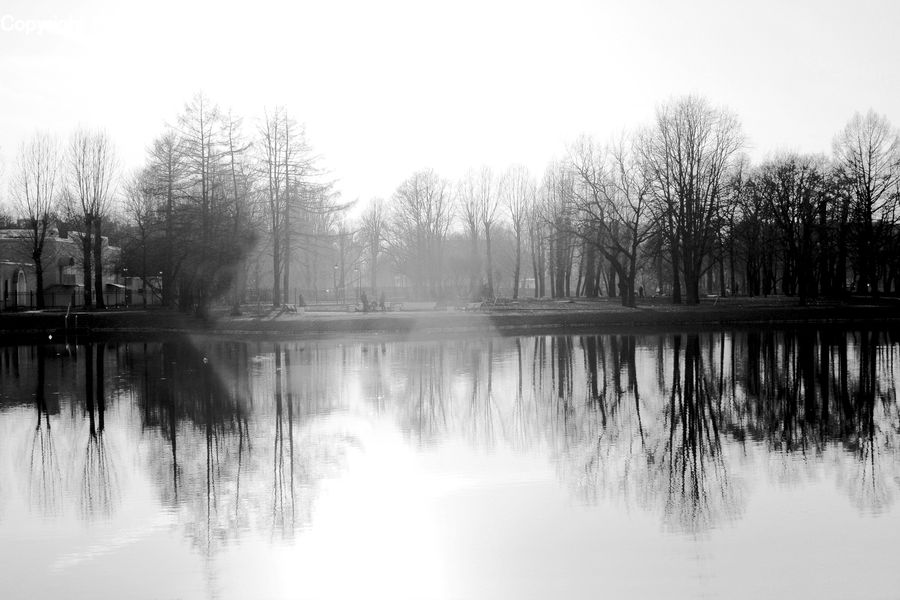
(358, 286)
(335, 284)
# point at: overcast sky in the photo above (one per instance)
(387, 87)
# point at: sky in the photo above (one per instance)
(388, 87)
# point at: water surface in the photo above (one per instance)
(724, 464)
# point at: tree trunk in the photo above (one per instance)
(676, 276)
(731, 275)
(691, 281)
(98, 263)
(39, 276)
(474, 270)
(627, 287)
(373, 272)
(630, 300)
(722, 291)
(559, 261)
(287, 213)
(286, 266)
(276, 272)
(590, 270)
(537, 253)
(168, 275)
(871, 263)
(86, 260)
(611, 286)
(517, 269)
(143, 272)
(239, 286)
(489, 257)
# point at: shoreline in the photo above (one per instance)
(424, 319)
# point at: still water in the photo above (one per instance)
(724, 464)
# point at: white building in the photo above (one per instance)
(62, 266)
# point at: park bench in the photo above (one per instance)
(389, 305)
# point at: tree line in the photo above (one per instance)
(676, 202)
(674, 207)
(216, 197)
(76, 181)
(210, 196)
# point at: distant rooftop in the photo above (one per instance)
(52, 233)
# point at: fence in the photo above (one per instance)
(122, 297)
(350, 295)
(327, 296)
(28, 300)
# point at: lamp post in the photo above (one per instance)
(358, 288)
(125, 281)
(335, 284)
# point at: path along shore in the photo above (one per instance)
(428, 319)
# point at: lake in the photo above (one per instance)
(740, 464)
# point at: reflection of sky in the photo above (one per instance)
(414, 482)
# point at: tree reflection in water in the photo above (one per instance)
(45, 481)
(664, 422)
(661, 450)
(98, 474)
(204, 413)
(873, 419)
(691, 471)
(238, 437)
(816, 392)
(283, 490)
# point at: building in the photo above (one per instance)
(138, 294)
(62, 266)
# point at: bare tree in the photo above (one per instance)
(141, 209)
(91, 175)
(613, 192)
(288, 203)
(316, 230)
(33, 192)
(488, 199)
(242, 205)
(689, 151)
(518, 195)
(468, 210)
(420, 218)
(287, 166)
(166, 169)
(298, 168)
(868, 150)
(272, 140)
(556, 211)
(478, 201)
(537, 237)
(791, 188)
(203, 147)
(748, 230)
(6, 218)
(373, 233)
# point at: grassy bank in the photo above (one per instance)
(425, 319)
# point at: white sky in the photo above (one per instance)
(387, 87)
